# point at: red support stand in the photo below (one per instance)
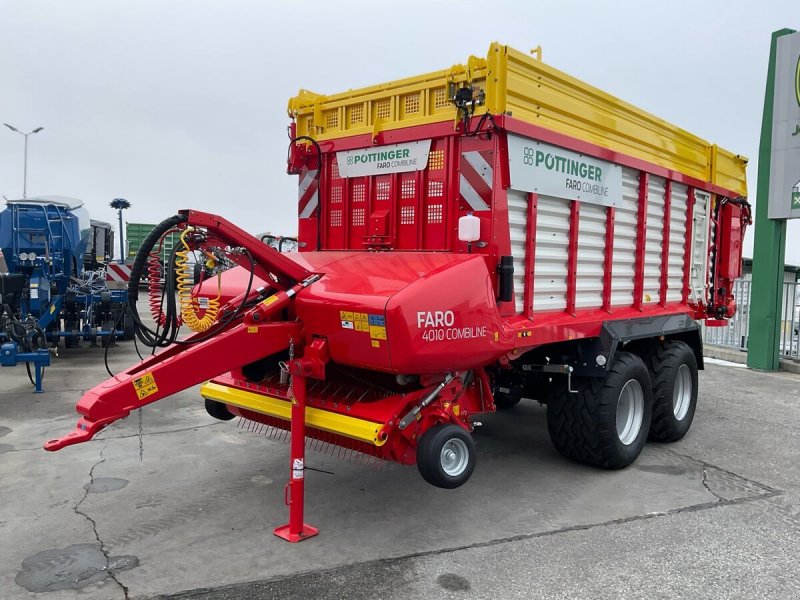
(296, 530)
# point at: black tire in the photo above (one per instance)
(127, 327)
(503, 401)
(672, 367)
(430, 451)
(583, 426)
(218, 410)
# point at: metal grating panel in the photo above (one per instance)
(359, 217)
(591, 256)
(382, 190)
(624, 267)
(383, 109)
(411, 104)
(336, 218)
(435, 160)
(332, 118)
(407, 215)
(358, 192)
(336, 194)
(356, 113)
(440, 99)
(435, 189)
(699, 272)
(677, 242)
(408, 188)
(654, 238)
(435, 213)
(518, 230)
(552, 246)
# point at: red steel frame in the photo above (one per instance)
(445, 130)
(641, 240)
(608, 263)
(530, 253)
(665, 243)
(572, 256)
(687, 265)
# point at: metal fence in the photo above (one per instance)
(735, 334)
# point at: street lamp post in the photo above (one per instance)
(25, 167)
(120, 204)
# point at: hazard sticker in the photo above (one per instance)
(145, 386)
(376, 344)
(347, 325)
(377, 333)
(297, 468)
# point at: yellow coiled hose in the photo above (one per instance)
(189, 305)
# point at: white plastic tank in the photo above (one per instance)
(469, 228)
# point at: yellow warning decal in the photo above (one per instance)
(376, 344)
(52, 309)
(145, 385)
(252, 330)
(270, 300)
(377, 332)
(345, 315)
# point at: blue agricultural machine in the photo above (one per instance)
(53, 282)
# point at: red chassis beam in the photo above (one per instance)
(203, 355)
(177, 368)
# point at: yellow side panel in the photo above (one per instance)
(407, 102)
(529, 90)
(728, 170)
(544, 96)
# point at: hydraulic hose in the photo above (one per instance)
(188, 304)
(167, 332)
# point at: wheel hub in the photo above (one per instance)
(682, 392)
(454, 457)
(630, 412)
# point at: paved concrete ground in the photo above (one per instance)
(715, 515)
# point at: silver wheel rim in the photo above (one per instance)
(682, 392)
(454, 457)
(630, 411)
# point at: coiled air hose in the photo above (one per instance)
(167, 327)
(189, 305)
(168, 322)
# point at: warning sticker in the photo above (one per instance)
(375, 325)
(376, 344)
(377, 333)
(145, 385)
(297, 468)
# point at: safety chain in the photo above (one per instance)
(141, 437)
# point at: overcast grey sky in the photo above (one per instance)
(176, 104)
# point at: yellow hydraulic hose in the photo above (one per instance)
(190, 305)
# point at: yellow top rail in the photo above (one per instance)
(528, 89)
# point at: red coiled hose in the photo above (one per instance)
(154, 275)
